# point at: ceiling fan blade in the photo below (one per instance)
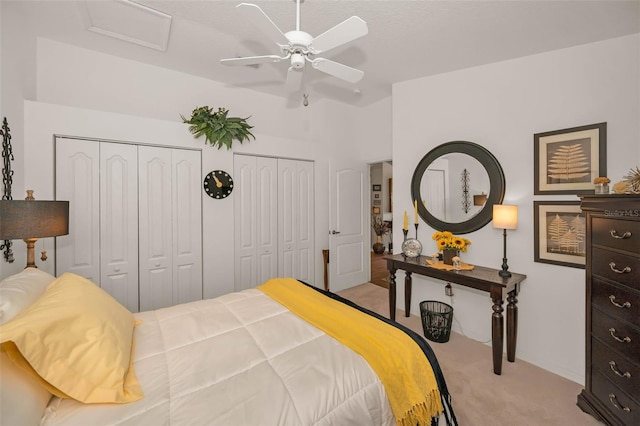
(336, 69)
(342, 33)
(294, 79)
(251, 60)
(262, 21)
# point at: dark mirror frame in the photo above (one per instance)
(496, 191)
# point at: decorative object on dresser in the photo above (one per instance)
(612, 381)
(30, 219)
(567, 161)
(632, 181)
(559, 230)
(505, 217)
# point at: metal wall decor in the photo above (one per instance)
(465, 179)
(7, 179)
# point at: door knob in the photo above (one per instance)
(334, 232)
(116, 269)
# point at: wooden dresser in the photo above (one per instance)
(612, 383)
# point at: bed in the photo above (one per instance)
(263, 356)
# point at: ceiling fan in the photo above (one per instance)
(300, 47)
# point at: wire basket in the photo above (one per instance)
(436, 320)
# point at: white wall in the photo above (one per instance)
(501, 106)
(89, 94)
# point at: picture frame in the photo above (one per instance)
(377, 202)
(559, 229)
(376, 210)
(567, 161)
(377, 187)
(376, 195)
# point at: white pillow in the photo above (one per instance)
(21, 290)
(22, 398)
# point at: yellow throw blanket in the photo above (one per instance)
(398, 361)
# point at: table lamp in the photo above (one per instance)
(32, 219)
(505, 217)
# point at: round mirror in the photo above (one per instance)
(456, 185)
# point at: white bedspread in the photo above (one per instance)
(240, 359)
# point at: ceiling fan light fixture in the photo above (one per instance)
(301, 47)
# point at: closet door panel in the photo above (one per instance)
(245, 208)
(305, 216)
(119, 222)
(267, 218)
(155, 227)
(187, 226)
(77, 175)
(287, 218)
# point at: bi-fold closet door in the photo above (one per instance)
(274, 220)
(135, 220)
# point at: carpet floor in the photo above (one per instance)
(524, 395)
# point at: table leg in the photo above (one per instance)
(392, 294)
(497, 332)
(407, 294)
(512, 325)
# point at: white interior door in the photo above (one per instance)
(77, 171)
(119, 222)
(349, 240)
(186, 222)
(155, 206)
(256, 224)
(435, 188)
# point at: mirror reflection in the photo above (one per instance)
(450, 184)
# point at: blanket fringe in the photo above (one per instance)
(421, 414)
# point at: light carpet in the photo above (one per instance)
(524, 395)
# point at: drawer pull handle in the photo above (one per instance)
(614, 401)
(624, 236)
(625, 339)
(612, 298)
(626, 269)
(614, 368)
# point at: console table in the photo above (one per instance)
(480, 278)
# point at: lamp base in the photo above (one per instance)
(505, 269)
(31, 258)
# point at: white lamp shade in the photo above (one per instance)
(505, 216)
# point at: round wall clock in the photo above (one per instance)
(218, 184)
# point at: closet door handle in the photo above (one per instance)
(334, 232)
(625, 339)
(612, 299)
(624, 236)
(626, 269)
(116, 269)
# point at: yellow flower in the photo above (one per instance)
(446, 240)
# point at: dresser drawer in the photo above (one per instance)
(616, 233)
(611, 330)
(616, 267)
(616, 301)
(618, 402)
(619, 370)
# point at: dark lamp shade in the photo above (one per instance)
(22, 219)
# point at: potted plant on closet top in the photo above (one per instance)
(217, 127)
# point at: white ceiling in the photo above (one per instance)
(406, 40)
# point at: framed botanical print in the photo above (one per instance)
(377, 187)
(567, 161)
(559, 233)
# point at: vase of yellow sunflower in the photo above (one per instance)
(450, 245)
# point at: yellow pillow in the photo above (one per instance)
(78, 341)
